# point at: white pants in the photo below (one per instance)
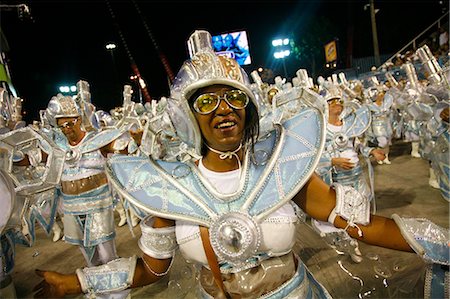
(104, 252)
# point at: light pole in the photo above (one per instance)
(376, 50)
(282, 50)
(111, 47)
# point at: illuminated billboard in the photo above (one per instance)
(234, 45)
(331, 51)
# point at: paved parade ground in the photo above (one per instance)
(401, 188)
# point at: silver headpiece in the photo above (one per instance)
(61, 106)
(392, 80)
(205, 68)
(303, 79)
(330, 91)
(411, 74)
(430, 64)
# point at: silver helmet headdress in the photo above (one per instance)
(61, 106)
(204, 68)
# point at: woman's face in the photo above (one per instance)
(223, 128)
(380, 97)
(335, 106)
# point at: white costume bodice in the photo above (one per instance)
(278, 230)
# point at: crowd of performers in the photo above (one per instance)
(242, 159)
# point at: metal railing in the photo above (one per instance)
(414, 41)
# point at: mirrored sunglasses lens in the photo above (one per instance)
(337, 101)
(237, 98)
(68, 124)
(206, 103)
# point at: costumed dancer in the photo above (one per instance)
(439, 127)
(87, 201)
(380, 131)
(419, 113)
(28, 194)
(416, 112)
(225, 209)
(340, 161)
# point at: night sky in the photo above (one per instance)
(65, 40)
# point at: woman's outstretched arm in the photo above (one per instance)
(318, 199)
(57, 285)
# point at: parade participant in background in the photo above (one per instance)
(440, 159)
(27, 193)
(340, 161)
(380, 131)
(224, 206)
(418, 110)
(87, 203)
(421, 125)
(438, 125)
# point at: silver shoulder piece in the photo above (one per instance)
(350, 205)
(159, 243)
(358, 120)
(116, 275)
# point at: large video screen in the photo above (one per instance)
(234, 45)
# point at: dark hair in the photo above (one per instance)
(251, 128)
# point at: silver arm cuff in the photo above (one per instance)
(426, 238)
(159, 243)
(116, 275)
(350, 205)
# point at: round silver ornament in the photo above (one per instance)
(340, 140)
(235, 237)
(72, 156)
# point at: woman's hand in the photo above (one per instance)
(56, 285)
(378, 154)
(343, 163)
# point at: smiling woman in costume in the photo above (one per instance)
(220, 202)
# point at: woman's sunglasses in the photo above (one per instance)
(336, 101)
(208, 102)
(68, 124)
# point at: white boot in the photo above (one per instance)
(56, 232)
(386, 160)
(123, 216)
(415, 149)
(433, 181)
(134, 219)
